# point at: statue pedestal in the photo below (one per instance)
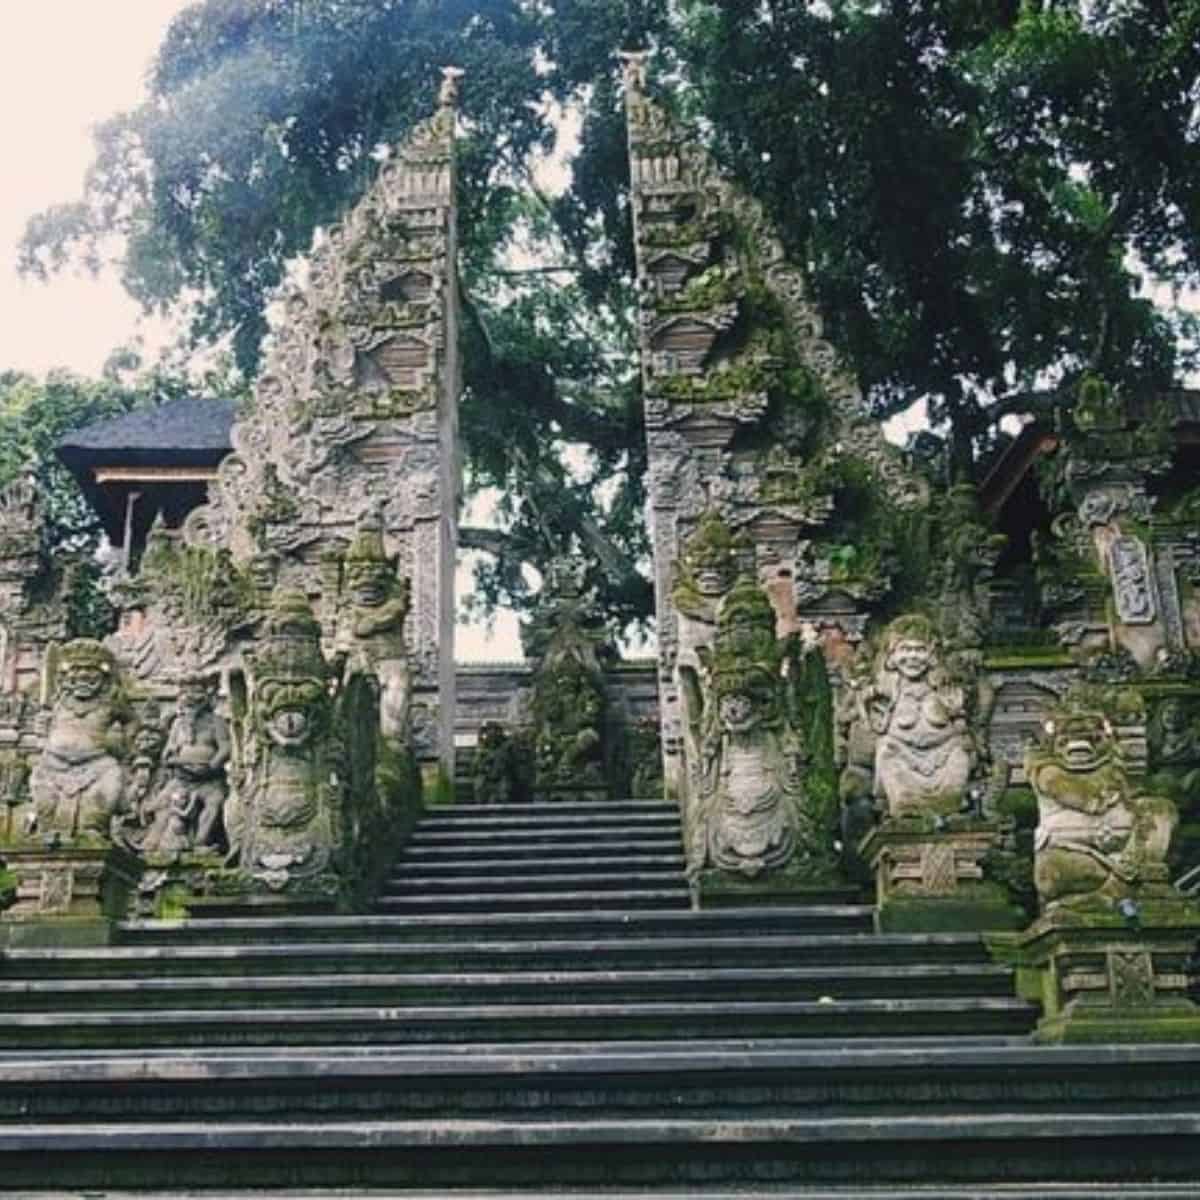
(932, 881)
(68, 896)
(200, 885)
(1100, 977)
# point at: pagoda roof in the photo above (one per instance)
(188, 431)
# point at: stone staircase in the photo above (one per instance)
(533, 1010)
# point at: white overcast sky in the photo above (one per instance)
(64, 66)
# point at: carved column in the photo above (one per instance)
(356, 412)
(749, 418)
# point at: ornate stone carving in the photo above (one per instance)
(1099, 839)
(925, 751)
(749, 813)
(569, 703)
(1132, 589)
(284, 819)
(372, 631)
(500, 772)
(185, 811)
(77, 785)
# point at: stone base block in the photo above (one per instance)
(67, 896)
(929, 876)
(200, 885)
(1112, 979)
(719, 889)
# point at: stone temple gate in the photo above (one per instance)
(920, 788)
(863, 678)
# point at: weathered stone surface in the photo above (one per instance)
(1100, 839)
(930, 875)
(752, 427)
(77, 784)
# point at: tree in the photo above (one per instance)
(978, 191)
(981, 191)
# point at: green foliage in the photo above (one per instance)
(974, 187)
(34, 417)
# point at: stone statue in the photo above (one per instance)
(285, 820)
(1098, 839)
(496, 768)
(190, 797)
(565, 640)
(568, 712)
(77, 784)
(1174, 736)
(925, 752)
(750, 815)
(704, 575)
(372, 637)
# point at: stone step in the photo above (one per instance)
(617, 899)
(451, 868)
(413, 1024)
(714, 1078)
(434, 887)
(494, 819)
(360, 989)
(445, 1154)
(730, 922)
(555, 809)
(616, 851)
(987, 1190)
(501, 840)
(856, 949)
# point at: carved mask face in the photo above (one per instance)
(1173, 716)
(912, 657)
(84, 683)
(289, 727)
(1083, 743)
(369, 586)
(712, 580)
(193, 699)
(738, 712)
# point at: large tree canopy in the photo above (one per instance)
(980, 192)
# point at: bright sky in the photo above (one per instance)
(64, 66)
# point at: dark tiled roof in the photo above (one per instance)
(187, 425)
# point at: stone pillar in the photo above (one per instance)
(750, 421)
(930, 879)
(67, 896)
(356, 412)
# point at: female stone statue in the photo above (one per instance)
(925, 752)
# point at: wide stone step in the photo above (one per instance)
(544, 1150)
(616, 851)
(410, 869)
(413, 1024)
(598, 954)
(596, 879)
(348, 989)
(619, 899)
(612, 809)
(730, 922)
(492, 820)
(713, 1078)
(991, 1190)
(533, 838)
